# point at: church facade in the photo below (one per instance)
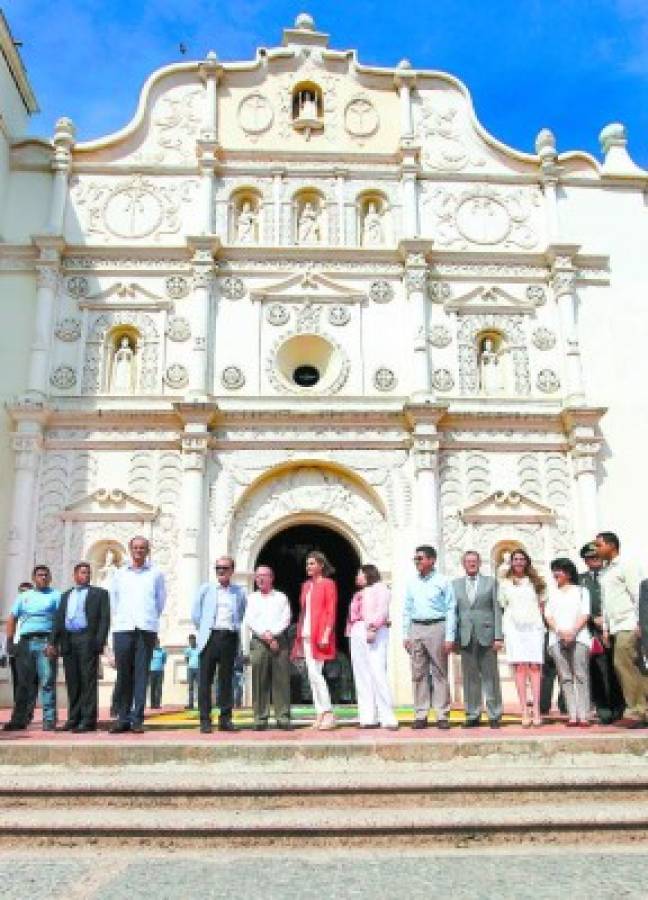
(301, 292)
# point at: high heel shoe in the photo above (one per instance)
(526, 720)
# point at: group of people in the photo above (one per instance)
(589, 629)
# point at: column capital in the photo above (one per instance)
(204, 248)
(50, 247)
(404, 75)
(27, 449)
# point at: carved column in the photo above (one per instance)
(563, 283)
(340, 178)
(198, 311)
(47, 275)
(207, 147)
(277, 192)
(26, 443)
(425, 453)
(416, 275)
(584, 458)
(409, 173)
(405, 80)
(550, 176)
(192, 511)
(63, 141)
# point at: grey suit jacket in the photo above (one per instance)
(483, 618)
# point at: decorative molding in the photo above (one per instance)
(178, 328)
(508, 507)
(442, 380)
(68, 330)
(543, 338)
(233, 288)
(232, 378)
(547, 381)
(439, 336)
(176, 376)
(176, 286)
(339, 315)
(381, 291)
(105, 505)
(63, 378)
(277, 314)
(384, 379)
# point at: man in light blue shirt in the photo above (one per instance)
(34, 612)
(192, 658)
(137, 598)
(156, 674)
(429, 623)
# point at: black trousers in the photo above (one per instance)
(81, 666)
(220, 650)
(155, 683)
(549, 676)
(607, 695)
(133, 652)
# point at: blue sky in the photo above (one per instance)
(570, 65)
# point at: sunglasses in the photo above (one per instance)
(222, 568)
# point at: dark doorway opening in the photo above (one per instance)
(286, 553)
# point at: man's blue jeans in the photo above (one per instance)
(31, 662)
(133, 651)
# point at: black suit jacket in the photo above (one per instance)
(97, 610)
(643, 615)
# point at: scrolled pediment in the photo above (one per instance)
(508, 507)
(105, 505)
(309, 286)
(122, 295)
(493, 299)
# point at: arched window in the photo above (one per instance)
(245, 217)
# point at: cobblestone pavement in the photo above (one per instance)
(479, 875)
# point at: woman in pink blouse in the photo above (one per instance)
(368, 633)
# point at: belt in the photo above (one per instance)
(34, 634)
(427, 621)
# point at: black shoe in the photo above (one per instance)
(285, 726)
(470, 723)
(83, 728)
(137, 729)
(375, 725)
(638, 723)
(49, 726)
(205, 728)
(258, 726)
(494, 723)
(119, 728)
(443, 724)
(227, 725)
(189, 707)
(70, 726)
(12, 726)
(420, 723)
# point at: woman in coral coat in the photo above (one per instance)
(315, 640)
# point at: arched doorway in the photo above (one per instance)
(286, 553)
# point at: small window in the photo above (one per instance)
(306, 376)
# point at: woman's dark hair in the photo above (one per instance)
(327, 568)
(537, 582)
(371, 573)
(562, 564)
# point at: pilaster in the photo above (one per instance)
(563, 284)
(203, 250)
(414, 254)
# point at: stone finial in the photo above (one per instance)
(614, 141)
(404, 64)
(545, 144)
(305, 22)
(212, 56)
(64, 132)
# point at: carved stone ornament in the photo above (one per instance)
(439, 291)
(381, 291)
(543, 339)
(360, 117)
(486, 216)
(177, 286)
(178, 329)
(439, 336)
(442, 380)
(232, 378)
(384, 380)
(277, 314)
(176, 376)
(416, 280)
(563, 282)
(77, 286)
(536, 294)
(255, 114)
(63, 377)
(547, 381)
(339, 315)
(233, 288)
(68, 330)
(307, 317)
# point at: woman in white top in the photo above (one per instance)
(522, 595)
(566, 614)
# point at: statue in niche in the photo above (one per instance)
(372, 231)
(246, 224)
(307, 105)
(492, 374)
(504, 564)
(110, 565)
(121, 378)
(308, 225)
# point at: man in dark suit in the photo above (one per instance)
(79, 633)
(479, 636)
(605, 689)
(643, 619)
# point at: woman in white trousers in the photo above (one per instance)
(368, 633)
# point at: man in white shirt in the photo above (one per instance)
(217, 614)
(620, 603)
(268, 617)
(137, 598)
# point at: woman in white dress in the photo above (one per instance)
(522, 595)
(566, 614)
